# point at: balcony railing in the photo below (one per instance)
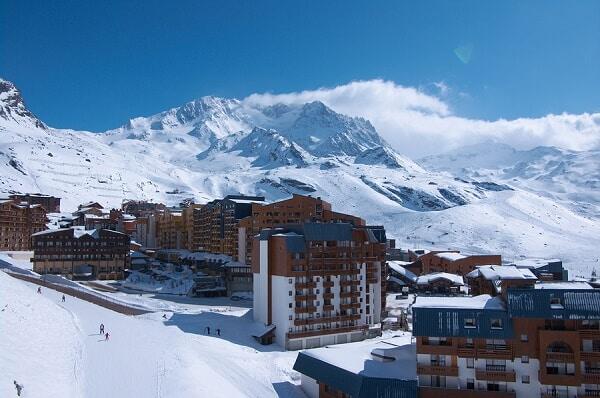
(566, 357)
(436, 392)
(495, 375)
(437, 370)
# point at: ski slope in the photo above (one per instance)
(54, 350)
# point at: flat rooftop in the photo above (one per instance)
(484, 301)
(364, 357)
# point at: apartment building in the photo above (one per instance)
(170, 231)
(295, 210)
(18, 221)
(525, 339)
(77, 252)
(50, 203)
(319, 283)
(216, 223)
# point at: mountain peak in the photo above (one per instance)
(12, 107)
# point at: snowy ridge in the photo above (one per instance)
(571, 177)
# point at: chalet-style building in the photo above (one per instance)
(141, 208)
(544, 269)
(452, 262)
(295, 210)
(439, 283)
(524, 339)
(18, 221)
(50, 203)
(76, 252)
(216, 223)
(319, 283)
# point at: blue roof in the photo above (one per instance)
(554, 303)
(353, 384)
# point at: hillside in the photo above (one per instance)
(211, 147)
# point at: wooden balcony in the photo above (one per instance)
(590, 355)
(322, 332)
(437, 392)
(328, 307)
(591, 378)
(355, 293)
(437, 370)
(327, 283)
(306, 297)
(349, 306)
(559, 379)
(328, 295)
(565, 357)
(305, 310)
(495, 375)
(495, 352)
(439, 349)
(326, 319)
(466, 352)
(590, 334)
(350, 283)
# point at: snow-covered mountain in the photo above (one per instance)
(570, 177)
(212, 147)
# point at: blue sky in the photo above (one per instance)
(93, 65)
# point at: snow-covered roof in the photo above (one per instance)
(563, 285)
(501, 272)
(535, 262)
(484, 301)
(450, 256)
(361, 357)
(398, 266)
(435, 276)
(243, 201)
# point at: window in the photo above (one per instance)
(290, 281)
(469, 323)
(290, 317)
(290, 292)
(556, 304)
(470, 363)
(469, 343)
(524, 359)
(290, 305)
(524, 338)
(470, 384)
(496, 323)
(525, 379)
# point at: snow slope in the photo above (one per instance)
(54, 350)
(41, 344)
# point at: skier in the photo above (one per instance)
(101, 328)
(39, 289)
(218, 332)
(208, 330)
(165, 316)
(63, 298)
(18, 387)
(106, 336)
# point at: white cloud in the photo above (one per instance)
(419, 124)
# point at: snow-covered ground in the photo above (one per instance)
(54, 350)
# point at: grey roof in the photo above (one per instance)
(327, 231)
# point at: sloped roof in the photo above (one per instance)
(501, 272)
(435, 276)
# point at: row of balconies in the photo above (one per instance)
(326, 319)
(320, 332)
